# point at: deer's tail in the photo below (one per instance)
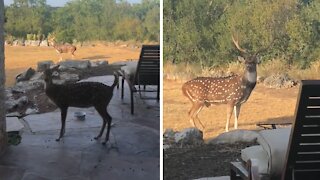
(116, 80)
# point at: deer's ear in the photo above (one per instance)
(241, 59)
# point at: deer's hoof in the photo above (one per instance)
(96, 137)
(58, 139)
(104, 143)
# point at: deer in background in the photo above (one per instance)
(233, 90)
(62, 48)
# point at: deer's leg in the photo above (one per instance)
(106, 119)
(63, 122)
(196, 116)
(196, 108)
(236, 115)
(229, 113)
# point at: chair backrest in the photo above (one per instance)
(303, 154)
(148, 69)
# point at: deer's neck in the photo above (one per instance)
(47, 85)
(250, 77)
(249, 80)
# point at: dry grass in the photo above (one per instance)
(18, 59)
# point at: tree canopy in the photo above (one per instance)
(85, 20)
(200, 31)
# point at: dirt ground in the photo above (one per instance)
(200, 161)
(264, 105)
(19, 58)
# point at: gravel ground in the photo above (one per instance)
(200, 161)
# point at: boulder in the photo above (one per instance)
(44, 43)
(169, 133)
(69, 78)
(43, 65)
(24, 86)
(12, 104)
(37, 77)
(189, 136)
(279, 81)
(25, 76)
(32, 42)
(31, 111)
(235, 136)
(75, 64)
(18, 43)
(98, 63)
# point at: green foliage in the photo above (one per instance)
(85, 20)
(200, 31)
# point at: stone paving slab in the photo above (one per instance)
(52, 120)
(11, 172)
(13, 124)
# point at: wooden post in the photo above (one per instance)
(3, 134)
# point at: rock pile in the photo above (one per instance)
(279, 81)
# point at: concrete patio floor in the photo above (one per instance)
(132, 151)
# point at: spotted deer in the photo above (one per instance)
(232, 90)
(62, 48)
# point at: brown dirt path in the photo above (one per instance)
(19, 58)
(264, 105)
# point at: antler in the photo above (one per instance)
(237, 45)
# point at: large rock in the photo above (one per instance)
(25, 76)
(18, 43)
(74, 64)
(32, 42)
(189, 136)
(69, 78)
(44, 43)
(235, 136)
(12, 104)
(98, 63)
(43, 65)
(279, 81)
(25, 86)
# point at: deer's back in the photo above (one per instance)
(84, 94)
(213, 90)
(65, 48)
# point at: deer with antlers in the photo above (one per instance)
(62, 48)
(233, 90)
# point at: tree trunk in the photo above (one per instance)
(3, 134)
